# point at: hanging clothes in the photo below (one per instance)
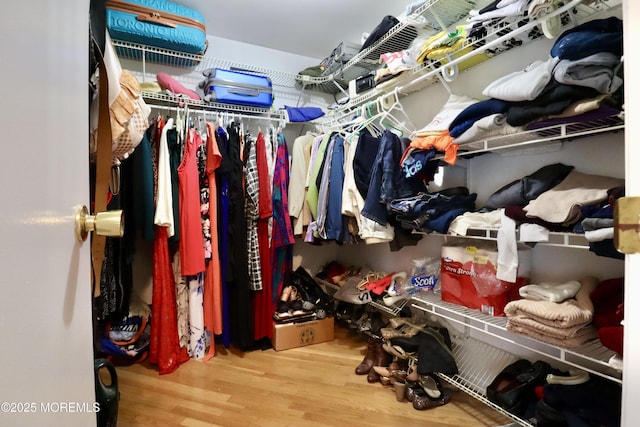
(222, 177)
(212, 292)
(164, 198)
(300, 161)
(282, 239)
(164, 345)
(182, 301)
(241, 321)
(174, 142)
(261, 300)
(191, 246)
(192, 254)
(251, 212)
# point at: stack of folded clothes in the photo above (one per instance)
(550, 314)
(597, 225)
(433, 211)
(580, 81)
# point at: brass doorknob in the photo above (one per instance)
(110, 223)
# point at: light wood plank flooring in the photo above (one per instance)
(311, 386)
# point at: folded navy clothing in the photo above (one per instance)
(598, 35)
(441, 224)
(474, 112)
(303, 114)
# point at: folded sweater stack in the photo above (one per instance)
(567, 324)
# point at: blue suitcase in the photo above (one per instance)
(157, 23)
(237, 87)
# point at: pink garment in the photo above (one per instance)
(191, 245)
(167, 82)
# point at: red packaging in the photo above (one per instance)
(468, 276)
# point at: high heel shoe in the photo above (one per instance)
(402, 331)
(429, 393)
(392, 374)
(431, 385)
(381, 359)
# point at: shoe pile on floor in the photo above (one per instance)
(407, 358)
(301, 299)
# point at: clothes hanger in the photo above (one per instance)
(395, 117)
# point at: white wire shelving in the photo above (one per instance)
(565, 240)
(503, 35)
(479, 362)
(591, 357)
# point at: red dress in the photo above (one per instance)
(191, 240)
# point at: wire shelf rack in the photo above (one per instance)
(505, 34)
(591, 357)
(565, 240)
(558, 132)
(475, 375)
(161, 99)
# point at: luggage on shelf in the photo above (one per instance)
(155, 23)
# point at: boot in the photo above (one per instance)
(369, 358)
(382, 358)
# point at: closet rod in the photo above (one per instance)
(231, 113)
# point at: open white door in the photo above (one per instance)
(46, 363)
(631, 375)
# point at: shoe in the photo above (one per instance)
(400, 389)
(282, 308)
(422, 400)
(367, 363)
(390, 301)
(397, 351)
(308, 289)
(381, 358)
(402, 331)
(513, 388)
(431, 385)
(412, 371)
(393, 374)
(396, 322)
(295, 302)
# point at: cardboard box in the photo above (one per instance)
(468, 276)
(291, 335)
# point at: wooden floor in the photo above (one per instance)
(309, 386)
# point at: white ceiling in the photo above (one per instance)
(304, 27)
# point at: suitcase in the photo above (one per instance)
(237, 87)
(156, 23)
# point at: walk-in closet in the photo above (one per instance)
(335, 214)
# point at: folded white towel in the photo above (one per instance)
(554, 292)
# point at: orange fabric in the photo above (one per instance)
(212, 293)
(441, 141)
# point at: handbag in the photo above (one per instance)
(128, 112)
